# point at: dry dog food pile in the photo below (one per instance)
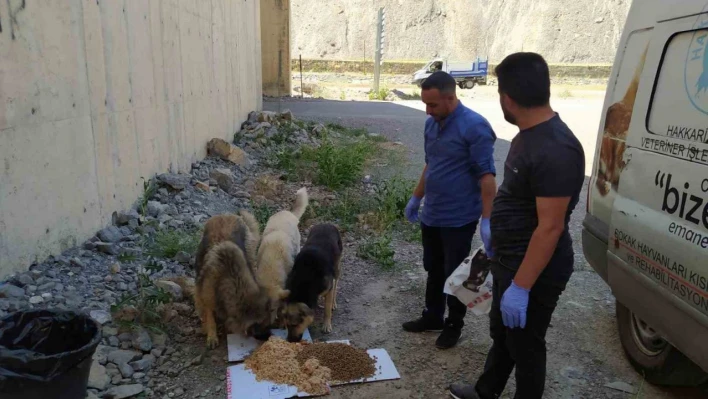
(276, 361)
(346, 362)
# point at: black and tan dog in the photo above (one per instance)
(316, 273)
(226, 287)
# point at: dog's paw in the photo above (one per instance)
(212, 342)
(327, 328)
(334, 305)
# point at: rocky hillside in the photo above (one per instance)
(564, 31)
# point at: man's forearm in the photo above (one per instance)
(540, 250)
(419, 191)
(488, 186)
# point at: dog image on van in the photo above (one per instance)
(316, 273)
(280, 243)
(611, 160)
(226, 287)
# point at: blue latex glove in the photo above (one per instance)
(412, 209)
(514, 304)
(486, 233)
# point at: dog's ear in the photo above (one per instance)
(284, 294)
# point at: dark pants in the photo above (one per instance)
(523, 348)
(444, 248)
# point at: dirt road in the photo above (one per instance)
(584, 349)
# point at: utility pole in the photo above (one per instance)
(378, 58)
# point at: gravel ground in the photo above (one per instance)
(584, 348)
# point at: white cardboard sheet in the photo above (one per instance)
(239, 346)
(242, 384)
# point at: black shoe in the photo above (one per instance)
(449, 336)
(423, 324)
(463, 391)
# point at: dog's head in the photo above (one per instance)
(296, 317)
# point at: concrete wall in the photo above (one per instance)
(275, 36)
(95, 94)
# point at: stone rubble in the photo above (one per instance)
(98, 274)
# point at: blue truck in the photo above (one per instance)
(466, 73)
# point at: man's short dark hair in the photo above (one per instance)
(440, 80)
(524, 77)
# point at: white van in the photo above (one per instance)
(646, 230)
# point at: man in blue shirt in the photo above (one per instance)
(458, 183)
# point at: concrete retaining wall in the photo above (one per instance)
(585, 71)
(95, 94)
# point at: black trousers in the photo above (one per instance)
(444, 248)
(524, 348)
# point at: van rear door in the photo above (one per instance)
(658, 250)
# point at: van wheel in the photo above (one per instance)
(469, 84)
(652, 356)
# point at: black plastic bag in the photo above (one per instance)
(42, 345)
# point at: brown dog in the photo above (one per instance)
(316, 273)
(226, 286)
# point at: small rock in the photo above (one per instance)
(36, 300)
(46, 287)
(224, 178)
(227, 151)
(141, 340)
(241, 194)
(114, 341)
(173, 288)
(110, 234)
(109, 331)
(599, 20)
(124, 391)
(98, 379)
(115, 268)
(121, 356)
(77, 262)
(266, 116)
(47, 296)
(126, 370)
(287, 115)
(202, 186)
(156, 208)
(183, 257)
(24, 280)
(91, 395)
(197, 360)
(11, 291)
(174, 181)
(101, 316)
(107, 248)
(138, 376)
(622, 387)
(59, 287)
(124, 218)
(179, 391)
(143, 364)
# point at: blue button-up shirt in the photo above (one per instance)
(457, 155)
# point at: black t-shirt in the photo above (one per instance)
(546, 160)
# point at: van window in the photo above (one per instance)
(678, 112)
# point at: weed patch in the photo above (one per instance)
(381, 94)
(378, 249)
(141, 308)
(342, 165)
(262, 212)
(168, 243)
(391, 198)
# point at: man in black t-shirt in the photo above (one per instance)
(532, 249)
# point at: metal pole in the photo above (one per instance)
(302, 90)
(377, 60)
(280, 74)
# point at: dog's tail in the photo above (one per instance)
(301, 202)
